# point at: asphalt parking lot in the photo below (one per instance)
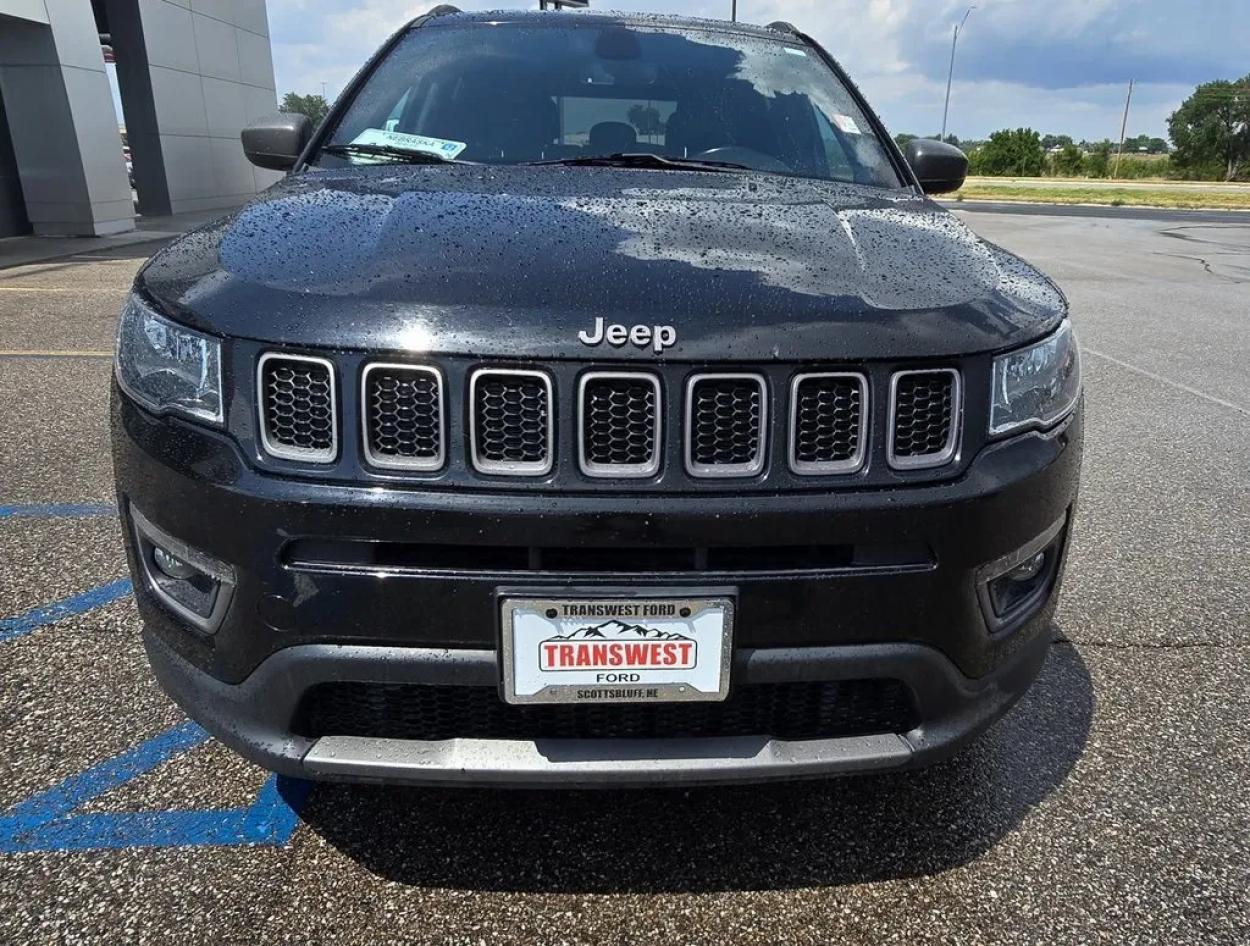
(1111, 806)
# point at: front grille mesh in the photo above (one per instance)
(828, 421)
(726, 422)
(619, 423)
(924, 415)
(790, 711)
(298, 408)
(403, 416)
(511, 421)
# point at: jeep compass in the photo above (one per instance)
(598, 400)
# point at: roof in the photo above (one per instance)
(579, 17)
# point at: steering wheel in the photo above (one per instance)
(736, 154)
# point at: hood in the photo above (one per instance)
(493, 261)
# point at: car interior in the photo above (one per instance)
(695, 101)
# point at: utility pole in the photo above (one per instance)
(733, 15)
(951, 72)
(1123, 127)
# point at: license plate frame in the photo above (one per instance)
(706, 680)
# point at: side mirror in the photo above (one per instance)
(940, 168)
(277, 141)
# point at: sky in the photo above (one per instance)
(1058, 66)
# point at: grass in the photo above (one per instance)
(1162, 195)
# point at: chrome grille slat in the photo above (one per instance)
(402, 416)
(926, 408)
(619, 424)
(511, 421)
(297, 407)
(726, 423)
(828, 422)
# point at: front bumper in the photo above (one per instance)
(253, 718)
(291, 625)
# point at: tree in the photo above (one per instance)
(902, 139)
(1157, 146)
(1011, 154)
(1098, 160)
(646, 120)
(1211, 129)
(1068, 161)
(314, 106)
(1055, 141)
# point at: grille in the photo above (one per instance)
(827, 423)
(412, 418)
(620, 424)
(924, 412)
(512, 422)
(725, 420)
(403, 417)
(297, 407)
(788, 711)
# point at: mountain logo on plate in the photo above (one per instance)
(615, 645)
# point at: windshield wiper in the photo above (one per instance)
(653, 162)
(390, 151)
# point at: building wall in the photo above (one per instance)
(13, 220)
(59, 114)
(204, 71)
(192, 73)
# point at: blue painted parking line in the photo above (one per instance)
(47, 821)
(23, 624)
(59, 511)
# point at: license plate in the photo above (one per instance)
(616, 650)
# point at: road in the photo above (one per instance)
(1159, 215)
(1111, 806)
(1213, 187)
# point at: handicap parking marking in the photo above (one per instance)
(22, 624)
(59, 511)
(46, 822)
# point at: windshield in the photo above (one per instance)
(520, 93)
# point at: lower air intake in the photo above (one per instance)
(789, 711)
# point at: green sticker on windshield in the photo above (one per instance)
(397, 139)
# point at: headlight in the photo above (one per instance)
(167, 367)
(1036, 386)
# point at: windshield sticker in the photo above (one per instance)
(846, 125)
(440, 146)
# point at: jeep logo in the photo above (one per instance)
(659, 337)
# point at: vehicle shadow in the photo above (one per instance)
(823, 833)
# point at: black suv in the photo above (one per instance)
(599, 399)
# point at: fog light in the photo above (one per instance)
(1013, 588)
(171, 565)
(1027, 571)
(189, 582)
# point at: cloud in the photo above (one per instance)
(1061, 66)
